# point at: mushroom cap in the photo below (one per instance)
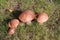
(11, 31)
(42, 17)
(13, 23)
(27, 16)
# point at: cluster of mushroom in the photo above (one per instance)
(26, 17)
(12, 25)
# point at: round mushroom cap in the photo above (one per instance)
(42, 17)
(13, 23)
(27, 16)
(11, 31)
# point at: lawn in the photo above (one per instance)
(50, 30)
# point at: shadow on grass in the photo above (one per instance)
(16, 14)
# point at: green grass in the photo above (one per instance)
(50, 30)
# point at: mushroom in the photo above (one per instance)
(27, 16)
(11, 31)
(42, 17)
(13, 23)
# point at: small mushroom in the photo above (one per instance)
(27, 16)
(11, 31)
(42, 17)
(13, 23)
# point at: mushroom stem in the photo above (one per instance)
(41, 23)
(28, 23)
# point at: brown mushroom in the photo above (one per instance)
(13, 23)
(27, 16)
(42, 17)
(11, 31)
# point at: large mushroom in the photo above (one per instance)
(27, 16)
(42, 17)
(13, 23)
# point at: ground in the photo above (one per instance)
(50, 30)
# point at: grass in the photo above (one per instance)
(48, 31)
